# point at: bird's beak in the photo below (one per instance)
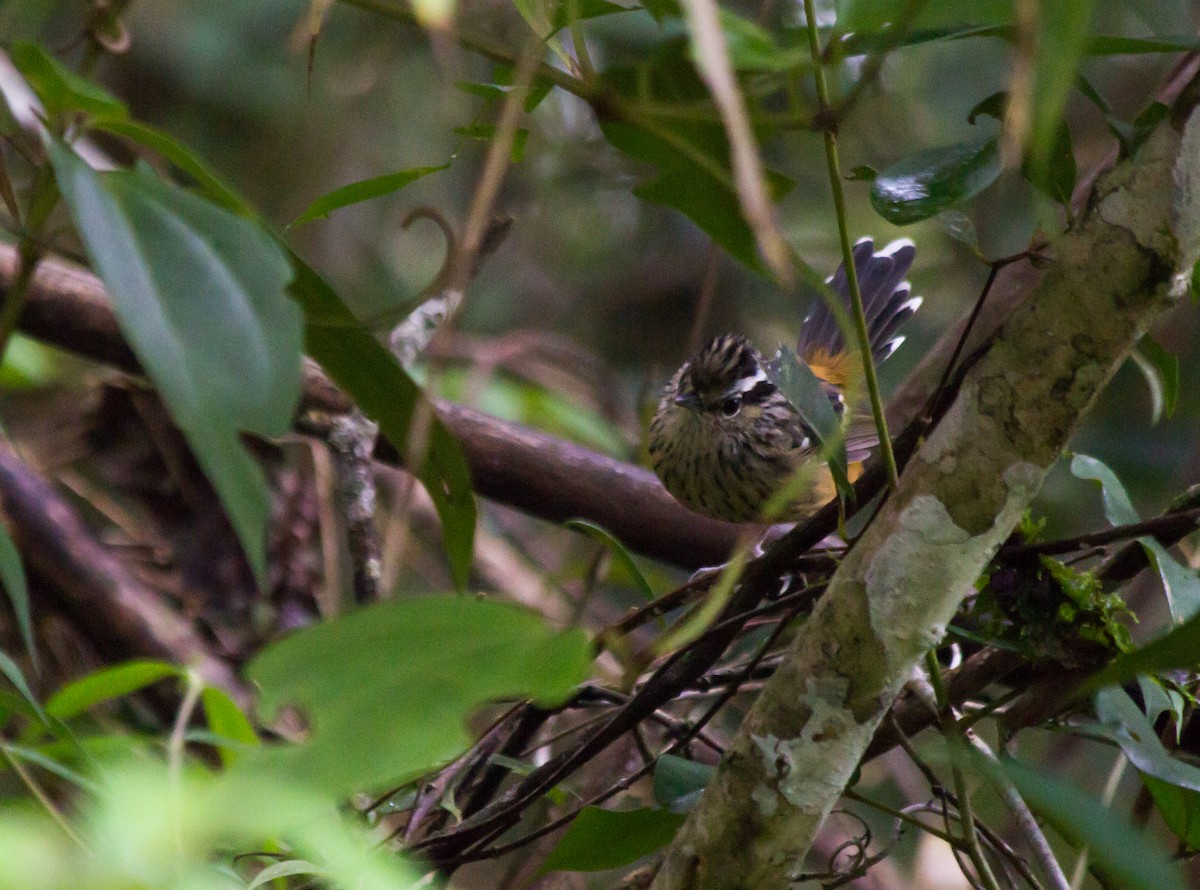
(688, 400)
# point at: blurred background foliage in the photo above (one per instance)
(592, 300)
(612, 279)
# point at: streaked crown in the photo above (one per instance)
(725, 373)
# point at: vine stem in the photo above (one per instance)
(829, 131)
(962, 793)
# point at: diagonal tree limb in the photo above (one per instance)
(958, 500)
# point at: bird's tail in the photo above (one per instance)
(886, 304)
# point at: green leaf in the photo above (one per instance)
(227, 721)
(1181, 584)
(286, 869)
(1125, 724)
(1180, 809)
(16, 588)
(874, 15)
(602, 839)
(605, 537)
(200, 296)
(210, 184)
(930, 181)
(1161, 371)
(1178, 649)
(362, 191)
(691, 158)
(1172, 783)
(1116, 45)
(386, 689)
(384, 391)
(568, 11)
(678, 782)
(1125, 856)
(50, 765)
(1063, 27)
(693, 178)
(803, 389)
(1055, 174)
(1118, 509)
(753, 48)
(16, 676)
(60, 89)
(106, 684)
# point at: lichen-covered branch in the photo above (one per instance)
(959, 498)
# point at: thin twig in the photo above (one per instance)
(41, 796)
(962, 792)
(713, 64)
(1026, 822)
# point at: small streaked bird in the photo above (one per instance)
(724, 438)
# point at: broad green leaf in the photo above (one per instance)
(874, 15)
(16, 676)
(200, 295)
(1127, 857)
(1180, 583)
(1061, 39)
(207, 180)
(930, 181)
(51, 765)
(861, 42)
(690, 157)
(803, 389)
(602, 839)
(678, 782)
(1125, 724)
(568, 11)
(1116, 45)
(1118, 509)
(362, 191)
(1055, 174)
(226, 721)
(149, 826)
(959, 226)
(12, 574)
(386, 689)
(14, 703)
(1179, 807)
(617, 549)
(1159, 701)
(693, 177)
(106, 684)
(60, 89)
(30, 364)
(1178, 649)
(753, 48)
(286, 869)
(1172, 783)
(1161, 372)
(384, 391)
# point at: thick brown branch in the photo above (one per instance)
(535, 472)
(123, 617)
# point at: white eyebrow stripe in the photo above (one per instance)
(746, 384)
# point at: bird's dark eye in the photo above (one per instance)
(731, 406)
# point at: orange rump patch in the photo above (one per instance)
(832, 368)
